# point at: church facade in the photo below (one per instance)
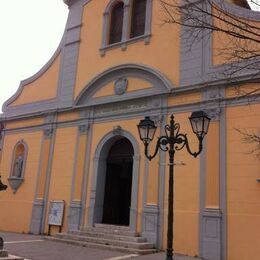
(70, 134)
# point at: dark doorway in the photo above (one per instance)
(118, 187)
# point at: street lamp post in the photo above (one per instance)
(172, 141)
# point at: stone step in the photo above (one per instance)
(98, 240)
(110, 231)
(103, 246)
(113, 236)
(11, 257)
(113, 227)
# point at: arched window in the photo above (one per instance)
(125, 22)
(138, 18)
(116, 23)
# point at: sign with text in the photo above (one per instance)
(56, 212)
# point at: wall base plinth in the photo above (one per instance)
(74, 216)
(37, 217)
(150, 223)
(211, 234)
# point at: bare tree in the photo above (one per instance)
(251, 138)
(239, 38)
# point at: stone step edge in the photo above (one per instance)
(113, 227)
(110, 231)
(110, 236)
(108, 247)
(106, 235)
(11, 257)
(109, 241)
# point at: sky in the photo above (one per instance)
(31, 31)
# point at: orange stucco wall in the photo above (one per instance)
(24, 122)
(212, 166)
(184, 99)
(163, 43)
(19, 205)
(242, 172)
(80, 167)
(68, 116)
(153, 175)
(70, 148)
(242, 90)
(62, 167)
(243, 191)
(43, 88)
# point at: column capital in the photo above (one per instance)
(48, 132)
(213, 113)
(158, 119)
(83, 129)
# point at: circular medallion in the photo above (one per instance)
(120, 86)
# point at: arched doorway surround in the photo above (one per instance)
(99, 177)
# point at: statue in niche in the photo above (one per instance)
(18, 166)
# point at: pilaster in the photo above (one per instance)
(152, 204)
(69, 54)
(43, 179)
(77, 181)
(211, 219)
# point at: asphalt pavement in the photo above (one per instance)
(33, 247)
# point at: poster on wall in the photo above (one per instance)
(56, 212)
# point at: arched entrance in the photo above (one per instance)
(108, 156)
(118, 183)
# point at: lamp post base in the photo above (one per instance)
(3, 253)
(169, 254)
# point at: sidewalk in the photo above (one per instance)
(36, 248)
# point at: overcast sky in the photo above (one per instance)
(30, 33)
